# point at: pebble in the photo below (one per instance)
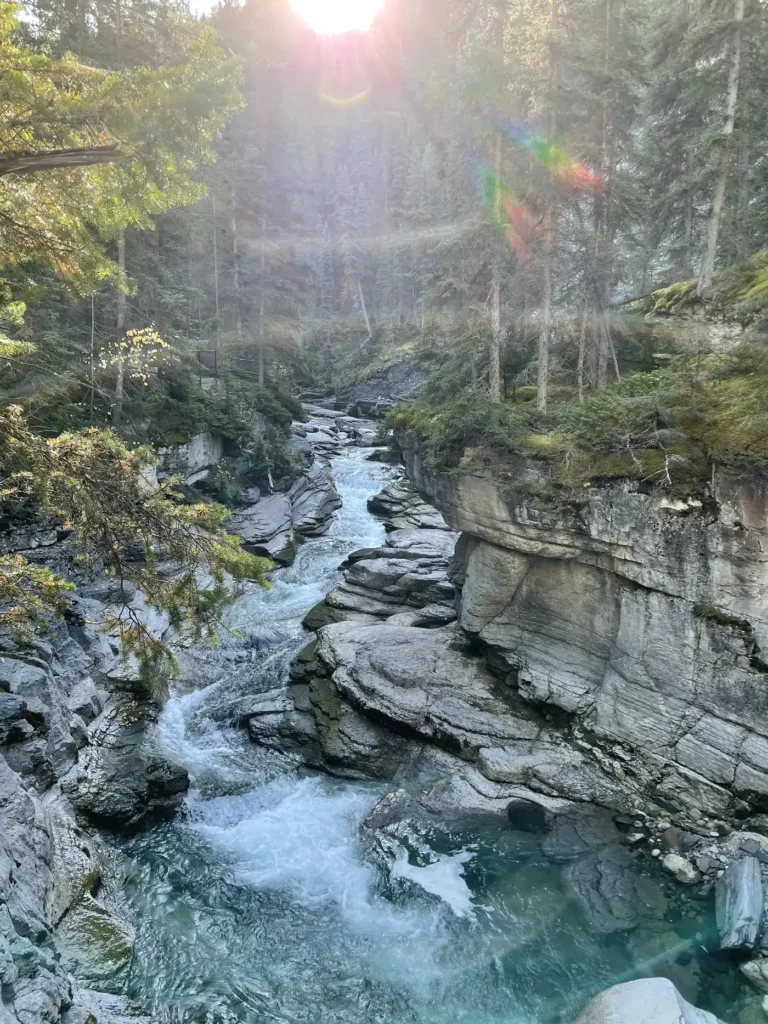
(720, 873)
(655, 853)
(635, 837)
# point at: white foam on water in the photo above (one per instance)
(300, 837)
(444, 878)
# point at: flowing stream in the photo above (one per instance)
(258, 904)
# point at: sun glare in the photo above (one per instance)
(333, 17)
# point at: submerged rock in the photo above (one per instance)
(681, 869)
(647, 1001)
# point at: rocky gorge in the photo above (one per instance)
(584, 679)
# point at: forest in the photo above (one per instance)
(551, 206)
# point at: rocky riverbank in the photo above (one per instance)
(78, 761)
(423, 672)
(563, 696)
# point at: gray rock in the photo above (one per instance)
(403, 508)
(611, 894)
(681, 869)
(266, 528)
(647, 1001)
(639, 615)
(578, 831)
(119, 781)
(739, 904)
(314, 499)
(756, 972)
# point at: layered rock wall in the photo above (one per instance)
(639, 616)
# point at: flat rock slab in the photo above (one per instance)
(739, 904)
(414, 679)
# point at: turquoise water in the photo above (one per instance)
(260, 903)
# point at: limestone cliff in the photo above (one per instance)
(640, 616)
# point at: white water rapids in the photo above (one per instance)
(259, 903)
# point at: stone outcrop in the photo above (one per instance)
(75, 748)
(273, 525)
(194, 460)
(647, 1001)
(405, 582)
(638, 616)
(71, 752)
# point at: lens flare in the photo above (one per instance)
(573, 174)
(335, 17)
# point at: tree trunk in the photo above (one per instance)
(117, 411)
(707, 273)
(494, 351)
(687, 268)
(742, 210)
(93, 360)
(582, 351)
(546, 307)
(365, 308)
(262, 298)
(215, 256)
(236, 270)
(549, 237)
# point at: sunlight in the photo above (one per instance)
(333, 17)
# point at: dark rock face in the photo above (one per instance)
(399, 382)
(273, 525)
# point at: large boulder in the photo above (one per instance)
(266, 528)
(120, 781)
(647, 1001)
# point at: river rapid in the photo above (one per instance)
(259, 903)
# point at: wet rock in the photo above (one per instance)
(612, 896)
(578, 831)
(681, 869)
(266, 528)
(527, 816)
(739, 904)
(756, 972)
(647, 1001)
(314, 499)
(119, 781)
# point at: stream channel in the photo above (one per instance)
(258, 903)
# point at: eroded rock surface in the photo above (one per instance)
(640, 616)
(272, 526)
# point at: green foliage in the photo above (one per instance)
(94, 484)
(86, 152)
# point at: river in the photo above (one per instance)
(258, 903)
